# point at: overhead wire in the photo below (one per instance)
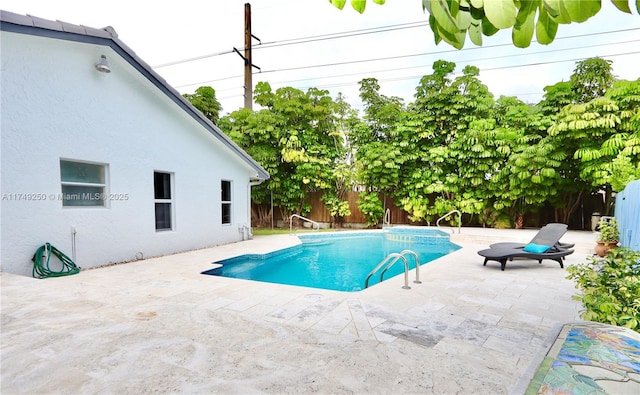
(437, 52)
(332, 36)
(343, 84)
(472, 60)
(302, 40)
(380, 29)
(351, 33)
(425, 54)
(485, 69)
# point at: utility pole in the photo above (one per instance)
(248, 64)
(248, 80)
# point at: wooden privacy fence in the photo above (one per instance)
(319, 212)
(581, 219)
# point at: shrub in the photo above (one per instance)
(609, 232)
(503, 222)
(610, 288)
(371, 207)
(337, 208)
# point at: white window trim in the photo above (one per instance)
(227, 202)
(171, 201)
(104, 185)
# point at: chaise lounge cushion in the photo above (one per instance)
(536, 248)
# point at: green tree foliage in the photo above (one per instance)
(452, 21)
(358, 5)
(599, 127)
(371, 207)
(454, 147)
(445, 161)
(622, 171)
(378, 156)
(557, 96)
(524, 176)
(626, 94)
(381, 113)
(576, 132)
(591, 79)
(344, 175)
(295, 138)
(625, 144)
(204, 99)
(586, 127)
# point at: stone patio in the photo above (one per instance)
(159, 326)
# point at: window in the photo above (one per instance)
(83, 184)
(163, 200)
(226, 201)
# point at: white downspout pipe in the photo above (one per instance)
(249, 185)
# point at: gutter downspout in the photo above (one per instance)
(248, 227)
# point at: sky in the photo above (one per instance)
(311, 44)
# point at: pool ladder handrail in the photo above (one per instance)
(314, 223)
(448, 214)
(392, 259)
(387, 218)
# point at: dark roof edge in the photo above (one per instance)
(27, 24)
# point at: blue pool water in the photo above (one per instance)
(338, 261)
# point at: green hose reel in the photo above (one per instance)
(42, 258)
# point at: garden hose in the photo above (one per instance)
(41, 259)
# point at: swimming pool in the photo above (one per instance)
(338, 261)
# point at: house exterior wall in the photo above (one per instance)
(55, 105)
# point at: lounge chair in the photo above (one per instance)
(503, 254)
(548, 235)
(545, 245)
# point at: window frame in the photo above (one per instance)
(95, 196)
(164, 201)
(226, 204)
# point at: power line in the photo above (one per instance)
(332, 36)
(192, 59)
(344, 84)
(464, 61)
(481, 70)
(350, 33)
(303, 40)
(432, 53)
(425, 54)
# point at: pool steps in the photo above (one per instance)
(416, 235)
(216, 269)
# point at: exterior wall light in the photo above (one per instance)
(103, 66)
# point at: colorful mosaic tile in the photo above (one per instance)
(590, 358)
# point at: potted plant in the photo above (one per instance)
(608, 236)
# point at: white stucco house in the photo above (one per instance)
(102, 158)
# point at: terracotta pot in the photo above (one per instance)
(602, 248)
(519, 221)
